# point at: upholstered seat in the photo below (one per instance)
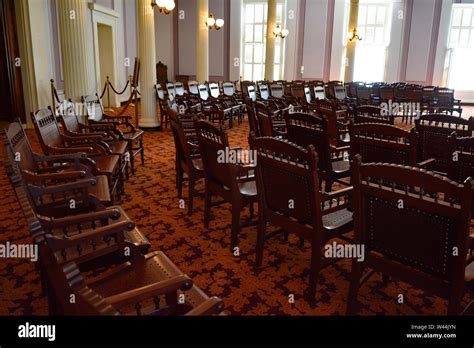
(341, 166)
(338, 219)
(248, 188)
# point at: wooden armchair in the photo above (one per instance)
(225, 102)
(100, 158)
(252, 115)
(433, 133)
(233, 100)
(305, 130)
(48, 171)
(72, 127)
(372, 114)
(164, 104)
(147, 285)
(424, 243)
(315, 216)
(233, 182)
(338, 122)
(382, 143)
(122, 124)
(188, 159)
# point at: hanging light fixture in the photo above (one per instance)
(279, 32)
(351, 36)
(164, 6)
(213, 23)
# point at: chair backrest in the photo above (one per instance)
(251, 112)
(252, 94)
(160, 93)
(319, 92)
(340, 92)
(214, 90)
(21, 147)
(228, 89)
(363, 92)
(179, 88)
(47, 129)
(264, 120)
(434, 130)
(67, 115)
(386, 93)
(263, 90)
(413, 231)
(372, 114)
(298, 91)
(382, 143)
(183, 150)
(284, 164)
(171, 89)
(462, 159)
(305, 130)
(93, 107)
(307, 95)
(213, 143)
(203, 92)
(445, 96)
(276, 90)
(193, 87)
(414, 94)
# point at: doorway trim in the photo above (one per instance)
(104, 16)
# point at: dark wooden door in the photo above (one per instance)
(11, 90)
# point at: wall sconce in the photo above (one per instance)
(213, 23)
(164, 6)
(351, 36)
(279, 32)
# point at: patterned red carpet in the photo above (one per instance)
(151, 200)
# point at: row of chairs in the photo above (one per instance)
(367, 205)
(93, 259)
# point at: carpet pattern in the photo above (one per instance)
(151, 201)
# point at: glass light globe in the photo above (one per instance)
(211, 21)
(277, 30)
(220, 23)
(170, 5)
(285, 32)
(161, 3)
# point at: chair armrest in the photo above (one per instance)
(339, 151)
(73, 151)
(61, 243)
(337, 200)
(211, 306)
(180, 282)
(32, 177)
(60, 188)
(59, 158)
(427, 164)
(123, 118)
(85, 138)
(113, 214)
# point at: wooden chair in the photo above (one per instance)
(164, 104)
(188, 159)
(232, 99)
(372, 114)
(337, 122)
(424, 242)
(72, 127)
(305, 130)
(161, 73)
(123, 127)
(231, 181)
(433, 133)
(268, 121)
(213, 109)
(101, 160)
(226, 102)
(252, 115)
(146, 285)
(316, 217)
(382, 143)
(48, 171)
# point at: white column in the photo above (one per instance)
(147, 54)
(77, 67)
(202, 41)
(270, 50)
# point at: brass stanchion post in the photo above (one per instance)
(108, 108)
(130, 78)
(53, 94)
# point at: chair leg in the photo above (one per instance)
(132, 161)
(329, 183)
(261, 231)
(142, 151)
(252, 210)
(207, 205)
(191, 195)
(179, 175)
(235, 226)
(357, 269)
